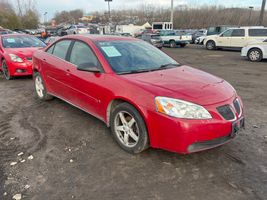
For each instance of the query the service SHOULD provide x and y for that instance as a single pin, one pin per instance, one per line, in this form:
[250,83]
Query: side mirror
[88,68]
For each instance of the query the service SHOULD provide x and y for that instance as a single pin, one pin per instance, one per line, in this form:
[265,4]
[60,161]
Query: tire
[40,88]
[210,45]
[182,45]
[172,44]
[129,129]
[5,71]
[255,55]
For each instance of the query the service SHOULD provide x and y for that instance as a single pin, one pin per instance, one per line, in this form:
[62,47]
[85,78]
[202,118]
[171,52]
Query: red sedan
[16,54]
[143,95]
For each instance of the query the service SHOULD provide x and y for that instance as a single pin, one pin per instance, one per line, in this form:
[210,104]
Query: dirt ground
[74,156]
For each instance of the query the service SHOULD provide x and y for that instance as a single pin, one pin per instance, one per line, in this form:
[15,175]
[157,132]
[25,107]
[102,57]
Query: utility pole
[109,14]
[262,12]
[172,11]
[249,19]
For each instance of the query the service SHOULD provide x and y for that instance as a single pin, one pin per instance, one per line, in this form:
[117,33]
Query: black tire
[172,44]
[255,55]
[182,45]
[5,71]
[210,45]
[139,124]
[45,96]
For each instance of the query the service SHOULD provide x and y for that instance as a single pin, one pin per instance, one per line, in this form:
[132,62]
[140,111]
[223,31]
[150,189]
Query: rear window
[257,32]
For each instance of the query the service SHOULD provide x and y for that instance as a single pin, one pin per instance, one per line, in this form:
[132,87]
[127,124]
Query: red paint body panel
[93,92]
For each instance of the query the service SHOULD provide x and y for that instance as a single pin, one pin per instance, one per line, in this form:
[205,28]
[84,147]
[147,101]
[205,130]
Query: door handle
[67,72]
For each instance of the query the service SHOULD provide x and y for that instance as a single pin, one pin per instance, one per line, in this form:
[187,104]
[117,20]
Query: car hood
[23,52]
[184,83]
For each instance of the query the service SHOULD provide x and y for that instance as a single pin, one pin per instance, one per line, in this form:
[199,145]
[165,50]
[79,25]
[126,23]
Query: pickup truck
[174,39]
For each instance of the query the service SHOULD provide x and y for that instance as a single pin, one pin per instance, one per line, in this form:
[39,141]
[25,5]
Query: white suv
[235,37]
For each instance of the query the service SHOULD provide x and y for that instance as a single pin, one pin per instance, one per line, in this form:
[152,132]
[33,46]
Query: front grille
[237,106]
[226,112]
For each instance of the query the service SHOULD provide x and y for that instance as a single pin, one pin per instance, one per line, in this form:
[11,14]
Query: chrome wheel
[254,55]
[39,86]
[126,129]
[172,44]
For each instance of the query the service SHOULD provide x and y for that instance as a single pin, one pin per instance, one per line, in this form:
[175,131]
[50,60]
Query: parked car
[216,30]
[16,54]
[198,34]
[5,31]
[255,52]
[172,39]
[235,38]
[76,29]
[50,40]
[153,39]
[144,96]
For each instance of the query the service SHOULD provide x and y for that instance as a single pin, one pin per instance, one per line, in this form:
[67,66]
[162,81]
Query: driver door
[86,91]
[224,40]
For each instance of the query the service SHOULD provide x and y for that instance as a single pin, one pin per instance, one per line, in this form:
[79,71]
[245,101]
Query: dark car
[153,39]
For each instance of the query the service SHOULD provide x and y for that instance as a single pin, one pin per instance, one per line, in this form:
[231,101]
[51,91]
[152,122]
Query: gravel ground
[74,156]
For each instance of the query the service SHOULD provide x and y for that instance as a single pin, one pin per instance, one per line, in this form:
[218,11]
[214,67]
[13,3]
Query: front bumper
[187,136]
[20,69]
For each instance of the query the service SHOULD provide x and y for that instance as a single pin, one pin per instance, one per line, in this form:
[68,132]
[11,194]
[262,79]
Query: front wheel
[255,55]
[6,71]
[211,45]
[40,88]
[129,129]
[182,45]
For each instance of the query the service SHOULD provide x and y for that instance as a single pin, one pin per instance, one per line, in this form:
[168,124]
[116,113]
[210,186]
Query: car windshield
[21,42]
[127,57]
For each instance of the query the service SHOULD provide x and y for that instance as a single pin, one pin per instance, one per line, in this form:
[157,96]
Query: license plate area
[237,126]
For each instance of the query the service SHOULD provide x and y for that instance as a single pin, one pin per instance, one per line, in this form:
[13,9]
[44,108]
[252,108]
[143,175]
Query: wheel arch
[119,100]
[258,48]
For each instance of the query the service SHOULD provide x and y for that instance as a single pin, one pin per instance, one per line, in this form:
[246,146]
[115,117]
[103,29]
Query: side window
[82,55]
[227,33]
[257,32]
[61,49]
[238,33]
[50,50]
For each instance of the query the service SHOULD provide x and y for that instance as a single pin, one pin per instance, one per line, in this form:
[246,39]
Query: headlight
[181,109]
[15,58]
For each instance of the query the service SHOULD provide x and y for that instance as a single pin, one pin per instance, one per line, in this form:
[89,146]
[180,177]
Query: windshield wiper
[134,71]
[169,65]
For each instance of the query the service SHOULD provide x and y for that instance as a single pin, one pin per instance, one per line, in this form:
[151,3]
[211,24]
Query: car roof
[15,34]
[97,38]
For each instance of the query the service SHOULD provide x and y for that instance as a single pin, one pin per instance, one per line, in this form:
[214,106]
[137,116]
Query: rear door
[224,40]
[238,38]
[55,67]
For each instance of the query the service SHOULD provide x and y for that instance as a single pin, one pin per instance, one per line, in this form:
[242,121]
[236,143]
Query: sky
[52,6]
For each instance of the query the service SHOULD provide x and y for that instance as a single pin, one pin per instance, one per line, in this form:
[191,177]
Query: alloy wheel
[126,129]
[39,86]
[254,55]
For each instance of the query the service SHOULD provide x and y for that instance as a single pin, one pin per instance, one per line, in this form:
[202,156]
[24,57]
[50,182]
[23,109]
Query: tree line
[24,16]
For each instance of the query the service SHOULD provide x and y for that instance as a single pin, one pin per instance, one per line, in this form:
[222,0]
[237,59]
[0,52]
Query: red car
[143,95]
[16,52]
